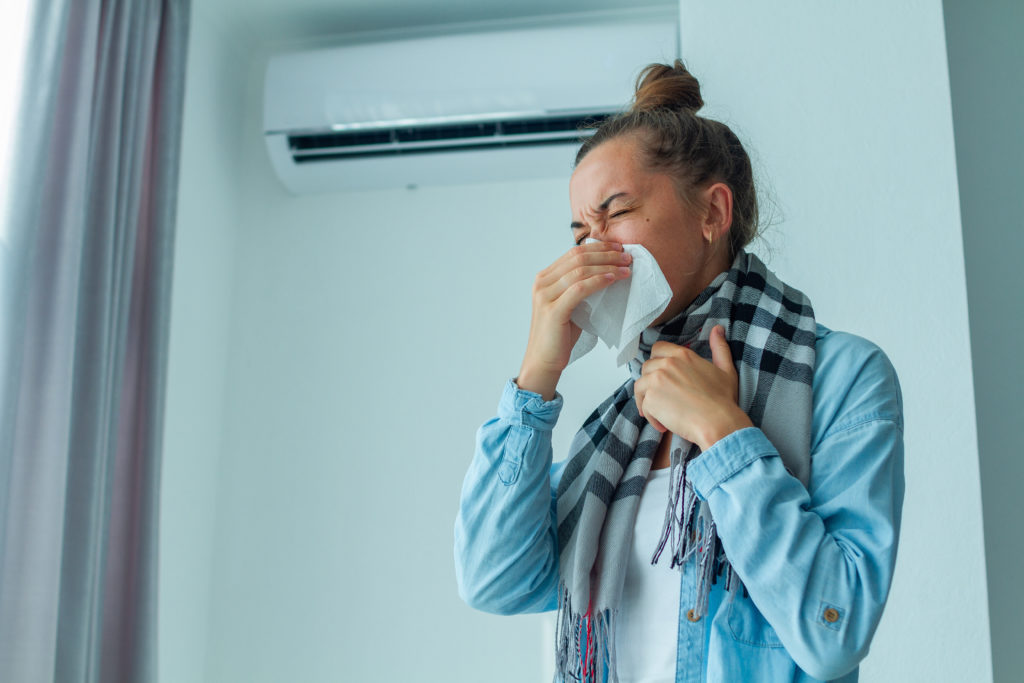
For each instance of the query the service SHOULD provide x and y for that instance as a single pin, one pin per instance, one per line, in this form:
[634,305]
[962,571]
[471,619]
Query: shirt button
[692,616]
[831,615]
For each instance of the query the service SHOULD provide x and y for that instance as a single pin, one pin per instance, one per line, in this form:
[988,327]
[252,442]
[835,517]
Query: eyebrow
[603,207]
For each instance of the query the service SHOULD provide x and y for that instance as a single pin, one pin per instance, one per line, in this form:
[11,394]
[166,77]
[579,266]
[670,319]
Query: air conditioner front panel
[526,70]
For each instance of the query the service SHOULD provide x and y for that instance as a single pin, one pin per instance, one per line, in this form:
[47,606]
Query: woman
[762,449]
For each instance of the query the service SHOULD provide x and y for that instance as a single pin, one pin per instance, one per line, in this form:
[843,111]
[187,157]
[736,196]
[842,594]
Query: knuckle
[540,294]
[578,287]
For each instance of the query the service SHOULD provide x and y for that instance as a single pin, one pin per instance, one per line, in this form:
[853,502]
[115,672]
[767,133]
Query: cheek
[677,257]
[634,231]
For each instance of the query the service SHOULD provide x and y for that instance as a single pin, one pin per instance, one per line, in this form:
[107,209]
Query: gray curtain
[85,287]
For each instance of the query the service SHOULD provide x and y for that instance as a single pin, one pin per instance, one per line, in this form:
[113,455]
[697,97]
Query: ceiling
[261,23]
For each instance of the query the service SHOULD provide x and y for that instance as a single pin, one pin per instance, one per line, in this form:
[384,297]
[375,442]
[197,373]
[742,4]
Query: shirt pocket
[748,626]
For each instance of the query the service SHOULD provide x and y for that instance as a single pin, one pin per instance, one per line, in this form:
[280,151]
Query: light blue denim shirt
[817,562]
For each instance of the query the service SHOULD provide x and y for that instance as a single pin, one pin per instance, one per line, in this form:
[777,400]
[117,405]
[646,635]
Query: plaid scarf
[770,328]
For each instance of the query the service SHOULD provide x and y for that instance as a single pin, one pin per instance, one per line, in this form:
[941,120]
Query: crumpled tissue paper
[620,312]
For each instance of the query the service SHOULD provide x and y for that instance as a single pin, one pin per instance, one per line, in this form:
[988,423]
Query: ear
[718,218]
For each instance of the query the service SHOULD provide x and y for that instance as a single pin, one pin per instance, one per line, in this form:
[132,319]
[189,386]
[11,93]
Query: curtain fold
[85,325]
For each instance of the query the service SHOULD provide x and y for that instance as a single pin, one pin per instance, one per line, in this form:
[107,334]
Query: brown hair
[693,150]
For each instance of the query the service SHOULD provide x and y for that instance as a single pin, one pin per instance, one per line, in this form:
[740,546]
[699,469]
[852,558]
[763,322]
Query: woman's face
[615,199]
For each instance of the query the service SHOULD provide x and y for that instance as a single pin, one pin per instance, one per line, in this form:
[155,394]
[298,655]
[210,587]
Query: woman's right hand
[557,291]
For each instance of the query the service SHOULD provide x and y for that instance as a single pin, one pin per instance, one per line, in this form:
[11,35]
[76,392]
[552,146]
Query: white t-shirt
[648,620]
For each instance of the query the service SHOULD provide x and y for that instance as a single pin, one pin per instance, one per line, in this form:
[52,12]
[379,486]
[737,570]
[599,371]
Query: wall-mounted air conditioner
[485,105]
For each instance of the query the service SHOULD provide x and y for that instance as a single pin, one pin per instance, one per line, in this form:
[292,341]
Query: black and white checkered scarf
[771,330]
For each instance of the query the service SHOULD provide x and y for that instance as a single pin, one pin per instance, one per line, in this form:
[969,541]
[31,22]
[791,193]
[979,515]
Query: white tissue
[620,312]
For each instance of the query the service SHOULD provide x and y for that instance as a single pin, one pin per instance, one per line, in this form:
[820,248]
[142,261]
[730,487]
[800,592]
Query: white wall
[369,334]
[850,116]
[986,54]
[207,226]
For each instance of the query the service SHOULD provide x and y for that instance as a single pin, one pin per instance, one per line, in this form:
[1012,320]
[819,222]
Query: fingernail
[624,270]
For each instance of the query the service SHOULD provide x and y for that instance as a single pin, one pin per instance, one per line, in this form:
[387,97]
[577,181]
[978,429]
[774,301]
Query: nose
[598,230]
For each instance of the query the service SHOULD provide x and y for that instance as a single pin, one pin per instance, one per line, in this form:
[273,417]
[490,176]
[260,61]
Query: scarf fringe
[690,531]
[584,643]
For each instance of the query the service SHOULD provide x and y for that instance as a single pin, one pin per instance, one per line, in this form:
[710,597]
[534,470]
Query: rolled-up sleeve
[817,561]
[506,555]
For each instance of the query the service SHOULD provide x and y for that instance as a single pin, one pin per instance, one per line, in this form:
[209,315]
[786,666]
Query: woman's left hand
[679,391]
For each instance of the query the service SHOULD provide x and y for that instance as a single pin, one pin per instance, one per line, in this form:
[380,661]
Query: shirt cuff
[528,408]
[727,457]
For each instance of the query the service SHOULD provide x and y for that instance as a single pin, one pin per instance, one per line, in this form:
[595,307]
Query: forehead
[609,168]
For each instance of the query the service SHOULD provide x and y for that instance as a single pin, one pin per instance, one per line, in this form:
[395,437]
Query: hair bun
[660,86]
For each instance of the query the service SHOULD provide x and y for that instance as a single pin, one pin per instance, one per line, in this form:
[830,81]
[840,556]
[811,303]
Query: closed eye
[580,239]
[619,213]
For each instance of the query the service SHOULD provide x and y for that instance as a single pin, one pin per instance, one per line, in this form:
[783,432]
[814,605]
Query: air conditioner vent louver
[433,138]
[473,130]
[301,143]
